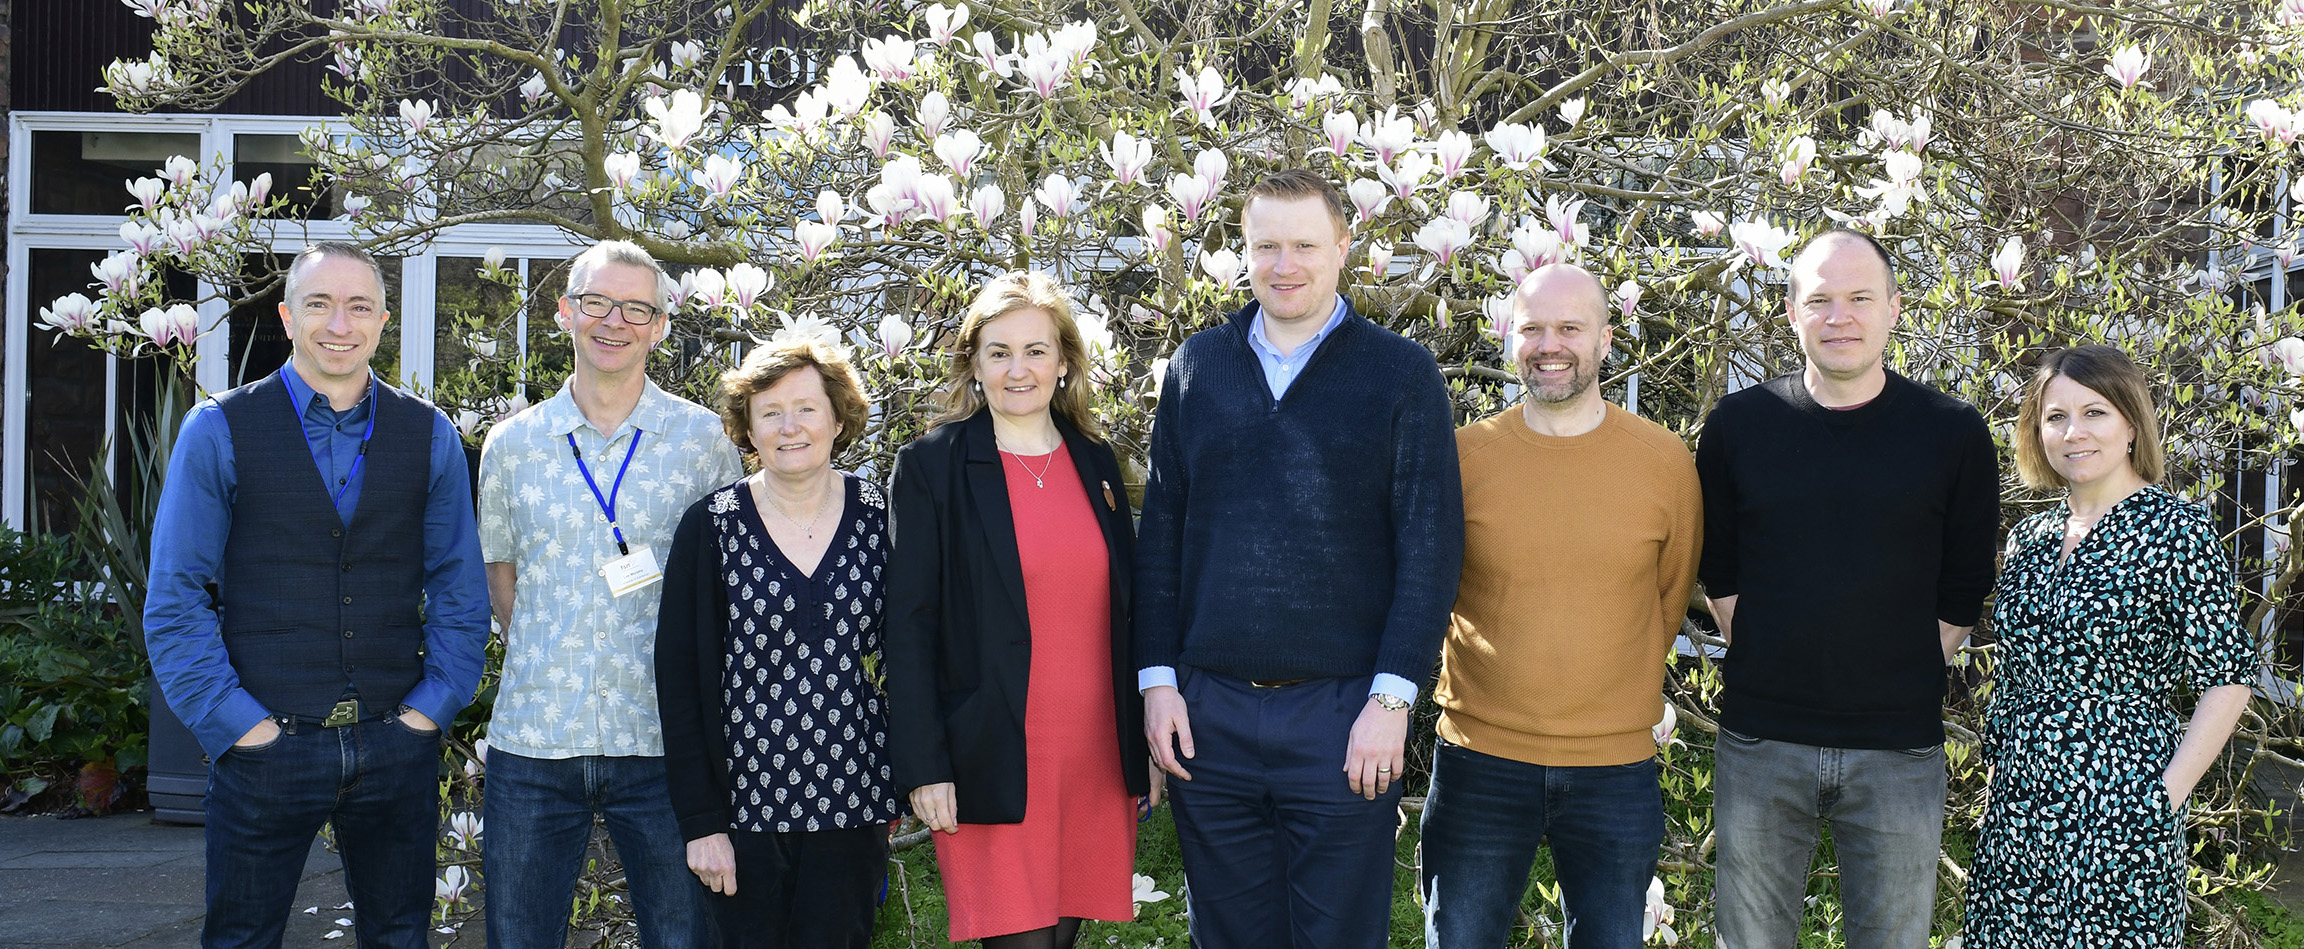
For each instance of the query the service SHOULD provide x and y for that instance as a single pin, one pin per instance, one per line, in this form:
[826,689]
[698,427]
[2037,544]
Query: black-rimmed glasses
[598,306]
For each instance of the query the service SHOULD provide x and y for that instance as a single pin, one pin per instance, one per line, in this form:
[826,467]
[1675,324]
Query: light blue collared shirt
[1280,372]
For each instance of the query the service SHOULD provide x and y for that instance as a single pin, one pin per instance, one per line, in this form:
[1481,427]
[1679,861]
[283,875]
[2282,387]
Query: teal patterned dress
[2081,846]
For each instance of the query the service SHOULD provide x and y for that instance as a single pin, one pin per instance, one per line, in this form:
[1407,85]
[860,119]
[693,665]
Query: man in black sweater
[1849,525]
[1302,534]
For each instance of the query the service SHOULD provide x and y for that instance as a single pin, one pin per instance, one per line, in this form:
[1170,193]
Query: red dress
[1075,852]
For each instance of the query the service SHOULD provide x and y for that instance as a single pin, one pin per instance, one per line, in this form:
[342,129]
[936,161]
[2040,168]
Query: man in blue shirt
[1302,534]
[317,612]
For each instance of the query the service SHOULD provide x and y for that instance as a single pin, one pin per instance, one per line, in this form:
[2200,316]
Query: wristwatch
[1390,703]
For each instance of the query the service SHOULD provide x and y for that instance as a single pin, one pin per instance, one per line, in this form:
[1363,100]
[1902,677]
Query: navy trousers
[1277,849]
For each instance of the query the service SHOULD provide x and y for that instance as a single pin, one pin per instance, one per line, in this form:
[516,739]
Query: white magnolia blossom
[176,325]
[894,334]
[1519,147]
[1127,156]
[1762,243]
[1572,111]
[1452,150]
[1304,93]
[1406,175]
[1369,198]
[71,314]
[1656,916]
[1888,131]
[807,328]
[746,284]
[1155,221]
[621,167]
[891,58]
[846,88]
[934,114]
[1533,246]
[1191,194]
[147,191]
[986,203]
[140,236]
[1443,237]
[417,114]
[1389,135]
[1498,310]
[1899,190]
[453,881]
[677,121]
[1799,153]
[2276,122]
[1338,129]
[878,132]
[944,22]
[686,54]
[1059,194]
[719,176]
[1469,207]
[532,90]
[814,238]
[1221,265]
[1202,94]
[1775,92]
[959,149]
[1627,297]
[2008,263]
[464,829]
[118,272]
[936,197]
[1707,223]
[2128,65]
[180,171]
[987,55]
[1212,164]
[1379,258]
[1564,215]
[707,287]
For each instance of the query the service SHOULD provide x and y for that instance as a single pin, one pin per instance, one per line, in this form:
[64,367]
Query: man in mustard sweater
[1582,525]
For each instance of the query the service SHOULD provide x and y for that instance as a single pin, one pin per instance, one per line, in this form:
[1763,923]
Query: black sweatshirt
[1845,535]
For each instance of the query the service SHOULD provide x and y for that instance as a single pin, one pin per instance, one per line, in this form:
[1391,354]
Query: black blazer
[959,641]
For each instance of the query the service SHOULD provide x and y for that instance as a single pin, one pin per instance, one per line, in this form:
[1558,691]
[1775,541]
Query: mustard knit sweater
[1579,554]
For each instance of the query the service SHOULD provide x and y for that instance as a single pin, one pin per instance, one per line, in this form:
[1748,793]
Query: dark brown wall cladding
[62,47]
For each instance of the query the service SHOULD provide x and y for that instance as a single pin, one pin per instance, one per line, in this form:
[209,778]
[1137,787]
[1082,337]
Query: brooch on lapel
[1110,504]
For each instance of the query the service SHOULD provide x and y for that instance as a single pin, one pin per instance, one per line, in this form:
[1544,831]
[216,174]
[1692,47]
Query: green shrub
[73,718]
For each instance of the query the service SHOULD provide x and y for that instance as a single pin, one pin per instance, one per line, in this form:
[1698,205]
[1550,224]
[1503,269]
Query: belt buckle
[1273,683]
[345,713]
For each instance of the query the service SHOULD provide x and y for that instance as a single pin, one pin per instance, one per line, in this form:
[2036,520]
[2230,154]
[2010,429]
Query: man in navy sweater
[1849,525]
[1302,533]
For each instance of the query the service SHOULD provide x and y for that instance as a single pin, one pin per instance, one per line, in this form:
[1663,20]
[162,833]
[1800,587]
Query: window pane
[295,176]
[550,359]
[64,410]
[88,172]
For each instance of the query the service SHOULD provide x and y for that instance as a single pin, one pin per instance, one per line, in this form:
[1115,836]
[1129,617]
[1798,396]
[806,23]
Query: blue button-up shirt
[195,518]
[1280,372]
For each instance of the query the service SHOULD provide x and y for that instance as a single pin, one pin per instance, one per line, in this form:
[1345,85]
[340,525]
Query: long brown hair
[1000,296]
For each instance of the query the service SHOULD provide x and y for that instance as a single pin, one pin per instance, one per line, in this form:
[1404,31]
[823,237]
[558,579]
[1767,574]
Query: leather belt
[347,712]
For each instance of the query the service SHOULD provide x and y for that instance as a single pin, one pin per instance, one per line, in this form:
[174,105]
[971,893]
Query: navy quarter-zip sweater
[1317,535]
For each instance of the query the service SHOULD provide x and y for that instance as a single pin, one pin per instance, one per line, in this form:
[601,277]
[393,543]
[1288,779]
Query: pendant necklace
[808,528]
[1039,478]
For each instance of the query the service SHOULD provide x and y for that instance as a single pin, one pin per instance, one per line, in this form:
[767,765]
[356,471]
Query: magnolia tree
[2043,174]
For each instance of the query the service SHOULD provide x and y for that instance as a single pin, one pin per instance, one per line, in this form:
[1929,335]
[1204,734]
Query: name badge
[632,571]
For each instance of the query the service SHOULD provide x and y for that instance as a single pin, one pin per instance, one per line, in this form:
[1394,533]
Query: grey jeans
[1887,815]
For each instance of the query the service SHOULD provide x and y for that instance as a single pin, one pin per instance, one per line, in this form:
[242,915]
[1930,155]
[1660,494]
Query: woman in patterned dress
[1014,717]
[774,734]
[2109,604]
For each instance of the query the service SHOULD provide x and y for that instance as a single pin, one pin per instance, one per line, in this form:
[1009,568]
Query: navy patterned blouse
[807,731]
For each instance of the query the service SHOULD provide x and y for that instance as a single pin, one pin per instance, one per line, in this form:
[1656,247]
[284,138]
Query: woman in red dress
[1014,720]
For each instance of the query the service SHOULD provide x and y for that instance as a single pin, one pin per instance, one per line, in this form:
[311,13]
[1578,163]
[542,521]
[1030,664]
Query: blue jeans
[1277,849]
[538,814]
[377,781]
[1887,812]
[1486,815]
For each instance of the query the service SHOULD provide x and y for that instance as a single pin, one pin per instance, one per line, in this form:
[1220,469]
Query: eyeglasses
[598,306]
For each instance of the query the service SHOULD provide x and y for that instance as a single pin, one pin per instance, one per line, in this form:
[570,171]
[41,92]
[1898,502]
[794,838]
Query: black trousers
[810,890]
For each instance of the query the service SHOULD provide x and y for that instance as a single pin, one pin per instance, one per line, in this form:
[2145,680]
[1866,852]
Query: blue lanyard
[608,504]
[336,498]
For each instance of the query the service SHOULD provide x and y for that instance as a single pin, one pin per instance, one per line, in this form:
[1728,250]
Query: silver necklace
[808,528]
[1039,478]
